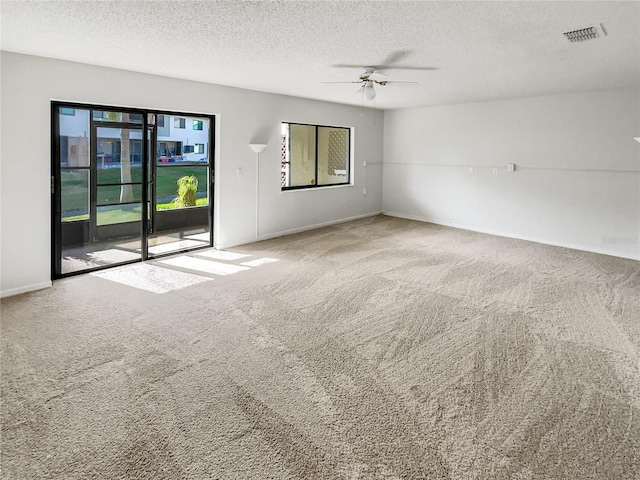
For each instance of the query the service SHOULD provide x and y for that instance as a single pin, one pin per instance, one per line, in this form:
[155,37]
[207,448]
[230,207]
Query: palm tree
[126,189]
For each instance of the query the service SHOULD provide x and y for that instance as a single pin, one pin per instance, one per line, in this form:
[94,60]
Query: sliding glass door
[127,185]
[181,180]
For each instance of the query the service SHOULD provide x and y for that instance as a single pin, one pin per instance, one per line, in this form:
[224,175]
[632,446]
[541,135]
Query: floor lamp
[257,148]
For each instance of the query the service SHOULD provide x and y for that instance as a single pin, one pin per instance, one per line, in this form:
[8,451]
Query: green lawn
[75,185]
[200,202]
[127,213]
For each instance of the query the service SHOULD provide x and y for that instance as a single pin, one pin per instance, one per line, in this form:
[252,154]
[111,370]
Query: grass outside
[75,187]
[127,213]
[200,202]
[121,215]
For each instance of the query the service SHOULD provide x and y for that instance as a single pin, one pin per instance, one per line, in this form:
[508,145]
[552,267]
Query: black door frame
[149,169]
[94,125]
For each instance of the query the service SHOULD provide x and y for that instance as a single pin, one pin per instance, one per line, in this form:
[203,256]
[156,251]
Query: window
[169,151]
[315,156]
[67,111]
[108,116]
[198,148]
[179,122]
[160,120]
[197,124]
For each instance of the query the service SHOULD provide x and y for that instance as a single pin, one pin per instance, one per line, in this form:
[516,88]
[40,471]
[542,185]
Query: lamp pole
[257,148]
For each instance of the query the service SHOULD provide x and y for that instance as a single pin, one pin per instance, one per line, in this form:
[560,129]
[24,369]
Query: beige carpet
[377,349]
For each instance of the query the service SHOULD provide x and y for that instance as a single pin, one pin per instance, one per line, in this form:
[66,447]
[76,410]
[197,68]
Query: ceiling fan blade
[340,82]
[405,67]
[394,81]
[396,56]
[360,89]
[341,65]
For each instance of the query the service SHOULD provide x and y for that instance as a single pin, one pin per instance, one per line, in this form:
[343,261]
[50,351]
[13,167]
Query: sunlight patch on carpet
[201,265]
[151,278]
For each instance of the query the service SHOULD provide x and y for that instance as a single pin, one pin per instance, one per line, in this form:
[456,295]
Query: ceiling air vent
[583,34]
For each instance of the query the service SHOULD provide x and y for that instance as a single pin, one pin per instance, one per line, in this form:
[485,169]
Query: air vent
[583,34]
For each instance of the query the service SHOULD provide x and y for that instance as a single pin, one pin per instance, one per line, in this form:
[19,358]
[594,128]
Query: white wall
[576,182]
[30,83]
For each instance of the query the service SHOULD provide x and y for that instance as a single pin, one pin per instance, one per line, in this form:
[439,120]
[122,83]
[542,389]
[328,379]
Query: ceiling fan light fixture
[369,91]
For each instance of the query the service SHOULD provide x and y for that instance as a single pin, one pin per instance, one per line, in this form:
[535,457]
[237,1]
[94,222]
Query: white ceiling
[481,50]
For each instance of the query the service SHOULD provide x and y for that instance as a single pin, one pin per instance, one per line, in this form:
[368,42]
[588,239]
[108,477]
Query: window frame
[179,122]
[347,183]
[197,125]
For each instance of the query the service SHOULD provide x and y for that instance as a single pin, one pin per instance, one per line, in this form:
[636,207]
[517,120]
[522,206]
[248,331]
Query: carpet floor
[376,349]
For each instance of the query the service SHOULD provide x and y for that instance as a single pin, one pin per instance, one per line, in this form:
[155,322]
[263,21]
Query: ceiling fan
[374,74]
[367,81]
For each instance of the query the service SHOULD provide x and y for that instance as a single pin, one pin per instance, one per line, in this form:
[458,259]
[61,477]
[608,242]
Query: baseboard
[25,289]
[574,246]
[294,230]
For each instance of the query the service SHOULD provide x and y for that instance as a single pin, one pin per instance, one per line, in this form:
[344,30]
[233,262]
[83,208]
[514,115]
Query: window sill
[307,189]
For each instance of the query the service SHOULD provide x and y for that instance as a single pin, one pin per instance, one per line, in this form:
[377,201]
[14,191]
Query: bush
[187,188]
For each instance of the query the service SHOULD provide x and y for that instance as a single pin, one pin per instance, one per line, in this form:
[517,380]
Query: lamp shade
[257,147]
[369,92]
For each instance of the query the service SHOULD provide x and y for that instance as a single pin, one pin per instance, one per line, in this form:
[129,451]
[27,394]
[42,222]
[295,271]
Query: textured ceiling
[480,50]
